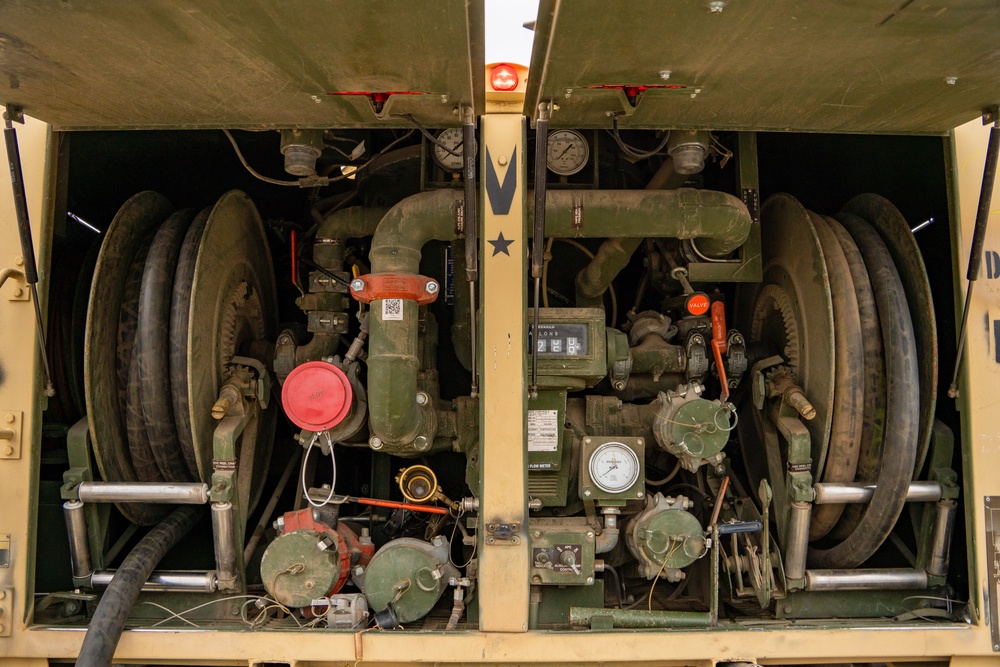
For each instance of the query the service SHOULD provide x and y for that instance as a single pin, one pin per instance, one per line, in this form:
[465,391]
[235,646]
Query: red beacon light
[504,78]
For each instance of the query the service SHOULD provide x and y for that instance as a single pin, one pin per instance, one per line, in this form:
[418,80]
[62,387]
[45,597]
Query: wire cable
[333,469]
[631,151]
[430,137]
[266,179]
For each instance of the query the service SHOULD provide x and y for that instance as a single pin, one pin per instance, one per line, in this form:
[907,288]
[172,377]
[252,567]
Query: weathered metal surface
[233,306]
[877,66]
[210,64]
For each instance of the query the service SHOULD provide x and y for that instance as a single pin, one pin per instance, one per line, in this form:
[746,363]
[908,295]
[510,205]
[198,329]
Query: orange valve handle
[428,509]
[719,326]
[368,288]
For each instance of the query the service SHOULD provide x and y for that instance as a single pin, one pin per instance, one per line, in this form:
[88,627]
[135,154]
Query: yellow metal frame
[503,573]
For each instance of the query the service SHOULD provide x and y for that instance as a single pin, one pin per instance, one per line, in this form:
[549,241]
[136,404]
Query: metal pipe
[608,539]
[944,526]
[719,222]
[165,581]
[79,545]
[166,493]
[798,540]
[640,618]
[865,580]
[854,492]
[393,362]
[225,545]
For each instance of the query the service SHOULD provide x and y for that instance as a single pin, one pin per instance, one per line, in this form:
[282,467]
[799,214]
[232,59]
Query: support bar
[852,492]
[225,546]
[640,618]
[79,547]
[164,581]
[944,526]
[865,580]
[166,493]
[798,540]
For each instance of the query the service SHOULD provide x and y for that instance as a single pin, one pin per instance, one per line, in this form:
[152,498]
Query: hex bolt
[423,398]
[665,74]
[8,451]
[431,287]
[9,418]
[951,80]
[502,160]
[421,443]
[18,292]
[716,6]
[375,442]
[357,284]
[587,493]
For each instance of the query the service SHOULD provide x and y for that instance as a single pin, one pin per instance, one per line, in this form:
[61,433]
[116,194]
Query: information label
[543,430]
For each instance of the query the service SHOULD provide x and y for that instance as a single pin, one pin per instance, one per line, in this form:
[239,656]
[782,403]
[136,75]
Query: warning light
[504,78]
[697,304]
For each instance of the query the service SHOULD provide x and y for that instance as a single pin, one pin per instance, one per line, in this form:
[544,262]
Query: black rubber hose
[152,346]
[180,315]
[902,394]
[105,628]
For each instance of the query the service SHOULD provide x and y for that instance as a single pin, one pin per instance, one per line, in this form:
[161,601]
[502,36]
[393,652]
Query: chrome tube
[165,581]
[225,546]
[798,540]
[79,544]
[944,525]
[865,580]
[167,493]
[851,492]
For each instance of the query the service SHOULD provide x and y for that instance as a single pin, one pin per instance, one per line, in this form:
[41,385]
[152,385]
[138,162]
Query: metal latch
[10,434]
[502,533]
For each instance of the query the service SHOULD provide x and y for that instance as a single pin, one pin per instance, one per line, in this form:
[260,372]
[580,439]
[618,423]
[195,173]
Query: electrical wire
[649,603]
[430,137]
[661,482]
[326,272]
[631,151]
[179,615]
[333,469]
[266,179]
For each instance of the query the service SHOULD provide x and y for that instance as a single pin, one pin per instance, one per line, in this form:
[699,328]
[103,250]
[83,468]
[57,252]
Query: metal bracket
[991,114]
[14,114]
[504,534]
[10,435]
[20,291]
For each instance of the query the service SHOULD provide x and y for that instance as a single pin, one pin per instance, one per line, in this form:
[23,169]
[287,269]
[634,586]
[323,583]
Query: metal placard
[992,513]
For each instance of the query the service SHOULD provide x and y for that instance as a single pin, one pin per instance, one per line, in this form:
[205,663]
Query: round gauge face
[452,138]
[614,467]
[567,152]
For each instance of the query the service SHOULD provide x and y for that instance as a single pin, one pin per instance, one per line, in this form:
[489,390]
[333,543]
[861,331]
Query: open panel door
[852,66]
[254,64]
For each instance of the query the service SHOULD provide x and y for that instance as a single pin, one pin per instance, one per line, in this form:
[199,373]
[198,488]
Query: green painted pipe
[393,352]
[719,222]
[640,618]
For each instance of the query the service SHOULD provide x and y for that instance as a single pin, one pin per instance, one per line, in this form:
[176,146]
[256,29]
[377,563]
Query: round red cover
[316,396]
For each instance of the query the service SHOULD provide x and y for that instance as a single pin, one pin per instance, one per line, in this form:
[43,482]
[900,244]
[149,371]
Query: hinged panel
[211,63]
[879,66]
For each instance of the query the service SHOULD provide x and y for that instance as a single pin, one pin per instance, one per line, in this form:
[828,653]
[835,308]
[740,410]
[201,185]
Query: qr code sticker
[392,309]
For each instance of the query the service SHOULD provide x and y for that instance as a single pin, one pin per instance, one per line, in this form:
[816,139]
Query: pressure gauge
[614,467]
[567,152]
[452,138]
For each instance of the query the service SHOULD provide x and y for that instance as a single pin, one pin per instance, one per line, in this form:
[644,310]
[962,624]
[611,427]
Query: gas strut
[538,240]
[24,230]
[978,235]
[470,208]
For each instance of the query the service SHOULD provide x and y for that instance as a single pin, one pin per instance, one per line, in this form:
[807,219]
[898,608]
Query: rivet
[951,80]
[19,260]
[8,451]
[716,6]
[665,74]
[18,292]
[9,418]
[586,493]
[502,160]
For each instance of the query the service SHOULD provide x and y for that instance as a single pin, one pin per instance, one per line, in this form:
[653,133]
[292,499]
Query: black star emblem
[500,245]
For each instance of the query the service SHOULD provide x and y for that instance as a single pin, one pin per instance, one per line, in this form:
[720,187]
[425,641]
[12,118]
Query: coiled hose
[106,626]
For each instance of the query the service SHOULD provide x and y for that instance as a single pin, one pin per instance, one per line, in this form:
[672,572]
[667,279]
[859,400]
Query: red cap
[316,396]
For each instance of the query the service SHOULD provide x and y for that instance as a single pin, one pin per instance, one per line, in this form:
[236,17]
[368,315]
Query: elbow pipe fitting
[396,417]
[718,221]
[608,539]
